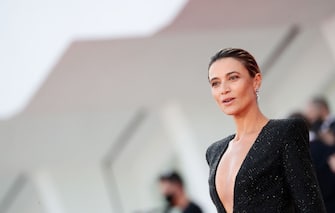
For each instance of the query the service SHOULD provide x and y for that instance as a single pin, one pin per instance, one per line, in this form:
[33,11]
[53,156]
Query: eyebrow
[232,72]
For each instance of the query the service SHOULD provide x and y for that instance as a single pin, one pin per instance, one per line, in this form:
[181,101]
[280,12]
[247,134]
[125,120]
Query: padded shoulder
[215,149]
[290,125]
[292,130]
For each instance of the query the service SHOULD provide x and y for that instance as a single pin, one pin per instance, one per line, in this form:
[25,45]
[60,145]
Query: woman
[265,166]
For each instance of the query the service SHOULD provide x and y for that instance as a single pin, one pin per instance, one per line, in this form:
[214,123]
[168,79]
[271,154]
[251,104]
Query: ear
[257,81]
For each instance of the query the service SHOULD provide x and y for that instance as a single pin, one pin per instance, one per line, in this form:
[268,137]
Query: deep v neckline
[252,147]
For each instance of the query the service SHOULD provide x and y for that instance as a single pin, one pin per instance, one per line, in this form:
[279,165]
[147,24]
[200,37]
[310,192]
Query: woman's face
[232,87]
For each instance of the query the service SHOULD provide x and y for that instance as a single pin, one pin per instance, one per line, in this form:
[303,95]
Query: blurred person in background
[265,166]
[172,188]
[323,157]
[319,116]
[331,138]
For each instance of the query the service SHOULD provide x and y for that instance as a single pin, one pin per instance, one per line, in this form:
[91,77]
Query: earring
[257,94]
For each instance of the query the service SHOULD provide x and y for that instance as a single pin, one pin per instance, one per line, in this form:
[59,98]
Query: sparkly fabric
[276,175]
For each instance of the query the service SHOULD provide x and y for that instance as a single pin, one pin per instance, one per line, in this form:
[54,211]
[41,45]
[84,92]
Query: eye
[215,84]
[233,77]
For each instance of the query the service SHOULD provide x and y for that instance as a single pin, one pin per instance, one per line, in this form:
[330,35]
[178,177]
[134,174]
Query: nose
[225,89]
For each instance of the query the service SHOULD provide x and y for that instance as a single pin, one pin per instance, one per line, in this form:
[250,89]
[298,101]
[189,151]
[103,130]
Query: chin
[229,112]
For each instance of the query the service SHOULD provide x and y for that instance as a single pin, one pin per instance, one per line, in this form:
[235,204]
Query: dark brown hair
[320,102]
[241,55]
[172,177]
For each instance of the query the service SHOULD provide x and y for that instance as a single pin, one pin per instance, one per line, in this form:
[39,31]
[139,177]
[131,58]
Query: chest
[228,168]
[253,171]
[230,163]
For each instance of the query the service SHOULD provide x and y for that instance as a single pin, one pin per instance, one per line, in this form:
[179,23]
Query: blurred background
[100,97]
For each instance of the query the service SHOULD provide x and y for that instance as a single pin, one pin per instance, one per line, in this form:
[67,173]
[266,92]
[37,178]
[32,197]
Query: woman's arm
[299,173]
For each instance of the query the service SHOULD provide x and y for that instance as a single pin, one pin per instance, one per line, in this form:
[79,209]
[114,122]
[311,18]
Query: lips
[227,100]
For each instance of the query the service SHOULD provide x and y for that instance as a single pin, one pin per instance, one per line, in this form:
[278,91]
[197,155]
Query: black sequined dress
[276,176]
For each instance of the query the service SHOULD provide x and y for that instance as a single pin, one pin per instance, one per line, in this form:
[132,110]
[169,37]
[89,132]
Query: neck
[249,122]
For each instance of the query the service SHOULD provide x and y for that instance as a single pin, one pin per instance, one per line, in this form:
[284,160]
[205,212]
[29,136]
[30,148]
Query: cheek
[216,95]
[247,88]
[246,91]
